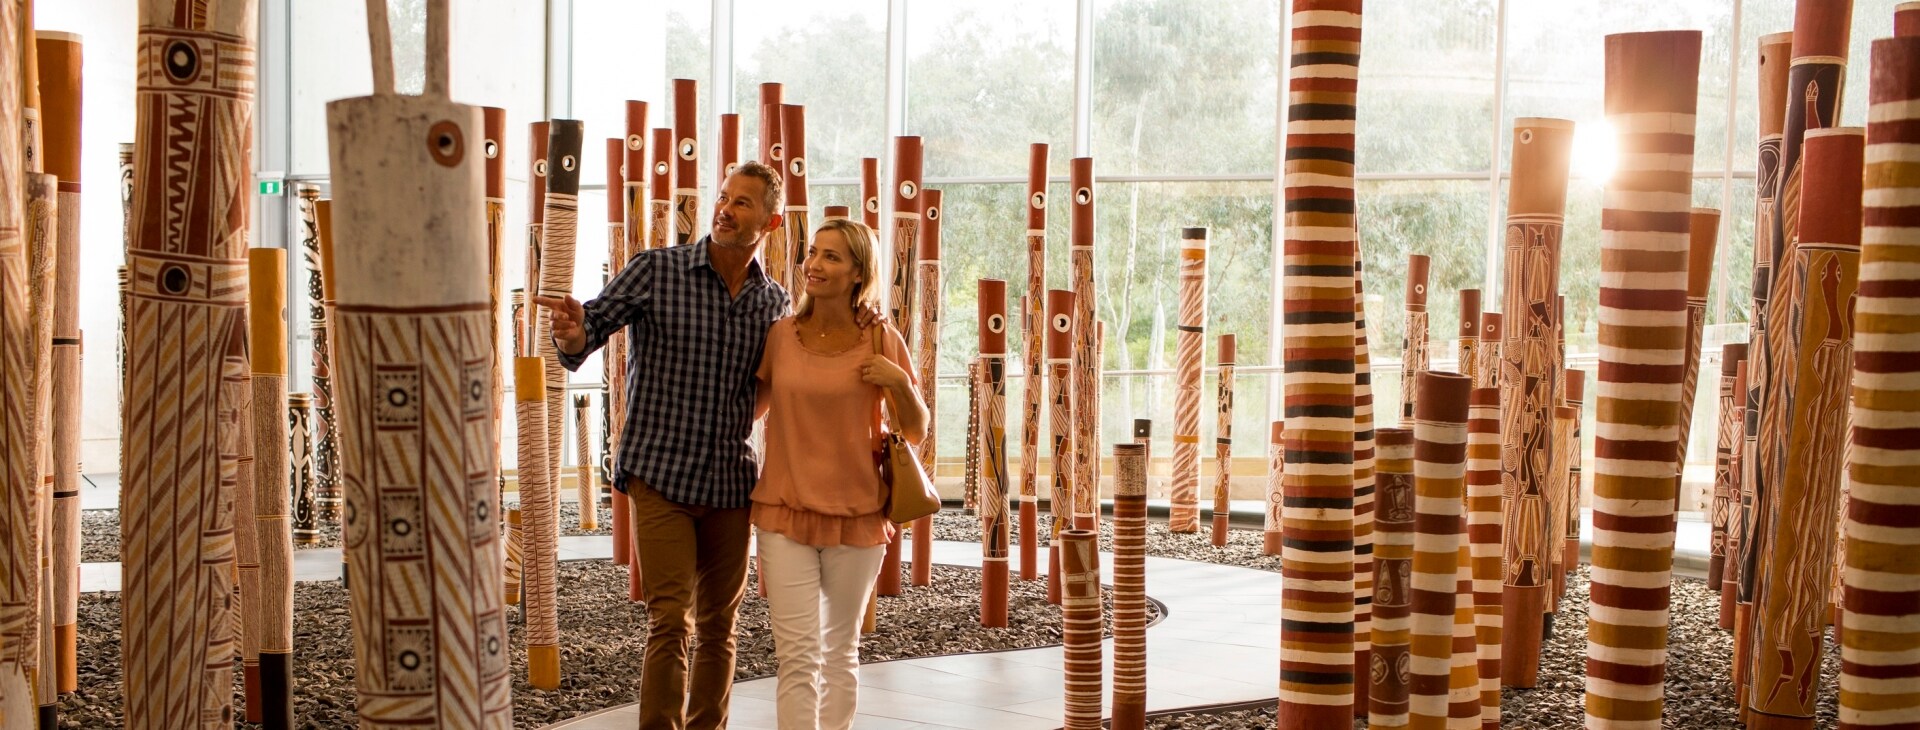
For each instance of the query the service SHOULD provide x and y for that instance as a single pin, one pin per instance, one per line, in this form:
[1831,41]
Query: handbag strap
[879,403]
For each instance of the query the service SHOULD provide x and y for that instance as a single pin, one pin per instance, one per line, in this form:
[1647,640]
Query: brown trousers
[693,566]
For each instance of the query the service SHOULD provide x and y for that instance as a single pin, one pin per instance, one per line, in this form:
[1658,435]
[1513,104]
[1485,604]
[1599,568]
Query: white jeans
[816,598]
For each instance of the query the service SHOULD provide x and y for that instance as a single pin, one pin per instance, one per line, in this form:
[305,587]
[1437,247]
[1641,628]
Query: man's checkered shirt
[693,349]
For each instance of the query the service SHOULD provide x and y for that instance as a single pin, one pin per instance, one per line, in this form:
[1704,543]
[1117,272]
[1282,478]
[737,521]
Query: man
[696,318]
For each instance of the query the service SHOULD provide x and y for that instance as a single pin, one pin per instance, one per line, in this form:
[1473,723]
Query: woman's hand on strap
[884,372]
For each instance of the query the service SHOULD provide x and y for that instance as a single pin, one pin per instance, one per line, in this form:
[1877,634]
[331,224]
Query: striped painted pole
[1703,232]
[660,190]
[1060,343]
[269,605]
[1576,398]
[537,522]
[1774,53]
[559,241]
[1183,513]
[970,481]
[1725,479]
[1317,617]
[320,373]
[1736,527]
[513,552]
[1651,93]
[1414,358]
[926,354]
[60,59]
[1469,337]
[1822,274]
[797,225]
[1483,538]
[613,393]
[1129,586]
[1034,308]
[1879,667]
[1363,492]
[586,488]
[1086,360]
[1390,670]
[1276,469]
[1536,213]
[686,165]
[1223,445]
[1081,626]
[993,451]
[1441,693]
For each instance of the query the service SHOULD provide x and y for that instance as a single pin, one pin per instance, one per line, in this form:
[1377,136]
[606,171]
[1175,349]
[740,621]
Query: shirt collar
[701,256]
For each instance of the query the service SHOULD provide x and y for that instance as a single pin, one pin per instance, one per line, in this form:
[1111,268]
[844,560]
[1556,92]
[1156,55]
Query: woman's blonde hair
[866,266]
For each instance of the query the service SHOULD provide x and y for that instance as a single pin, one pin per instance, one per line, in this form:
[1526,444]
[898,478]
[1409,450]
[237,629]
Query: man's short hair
[767,176]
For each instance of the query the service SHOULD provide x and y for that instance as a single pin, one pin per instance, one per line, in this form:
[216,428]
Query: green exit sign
[272,187]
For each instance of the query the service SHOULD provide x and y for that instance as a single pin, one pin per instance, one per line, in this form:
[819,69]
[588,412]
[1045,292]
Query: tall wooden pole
[870,192]
[1736,525]
[1652,91]
[1081,626]
[1129,586]
[614,393]
[798,224]
[636,170]
[1391,670]
[1223,445]
[1820,286]
[1086,365]
[1034,309]
[1189,358]
[927,362]
[1060,341]
[906,227]
[1492,332]
[1535,215]
[686,165]
[186,342]
[1703,234]
[541,613]
[660,190]
[324,502]
[993,431]
[60,60]
[300,465]
[414,367]
[1468,340]
[1725,479]
[269,598]
[1483,538]
[584,484]
[1443,693]
[1363,492]
[1574,455]
[559,239]
[1316,653]
[1272,535]
[1882,580]
[1414,357]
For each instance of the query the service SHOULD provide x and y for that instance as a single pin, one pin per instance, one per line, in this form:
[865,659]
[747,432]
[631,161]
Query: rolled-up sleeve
[622,302]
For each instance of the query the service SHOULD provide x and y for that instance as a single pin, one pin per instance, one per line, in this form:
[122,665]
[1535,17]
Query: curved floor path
[1218,643]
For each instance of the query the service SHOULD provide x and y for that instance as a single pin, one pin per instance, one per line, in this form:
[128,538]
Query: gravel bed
[100,532]
[599,672]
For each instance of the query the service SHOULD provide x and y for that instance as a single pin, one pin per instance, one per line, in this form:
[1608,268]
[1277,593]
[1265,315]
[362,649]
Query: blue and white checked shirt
[693,349]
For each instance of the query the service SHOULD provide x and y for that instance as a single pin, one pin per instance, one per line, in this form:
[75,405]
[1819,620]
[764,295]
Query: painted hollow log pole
[1736,527]
[36,632]
[1440,695]
[1414,358]
[1652,90]
[493,151]
[613,394]
[927,362]
[269,598]
[1271,533]
[1391,664]
[1189,359]
[870,192]
[1576,398]
[1775,53]
[836,213]
[1725,479]
[60,85]
[19,455]
[1317,643]
[414,363]
[906,227]
[1129,586]
[970,481]
[1468,339]
[1483,538]
[1906,19]
[635,172]
[513,565]
[1878,669]
[1086,363]
[559,238]
[781,256]
[771,97]
[1363,492]
[1081,627]
[329,494]
[686,162]
[1821,278]
[1034,307]
[660,190]
[1492,331]
[300,466]
[993,463]
[536,516]
[1536,210]
[1559,495]
[186,335]
[1060,342]
[1703,233]
[539,137]
[1223,445]
[798,223]
[324,434]
[729,144]
[584,486]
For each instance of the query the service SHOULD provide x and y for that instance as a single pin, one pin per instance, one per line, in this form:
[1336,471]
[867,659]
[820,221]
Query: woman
[818,507]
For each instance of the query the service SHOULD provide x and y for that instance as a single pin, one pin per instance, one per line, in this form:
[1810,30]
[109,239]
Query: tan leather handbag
[908,493]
